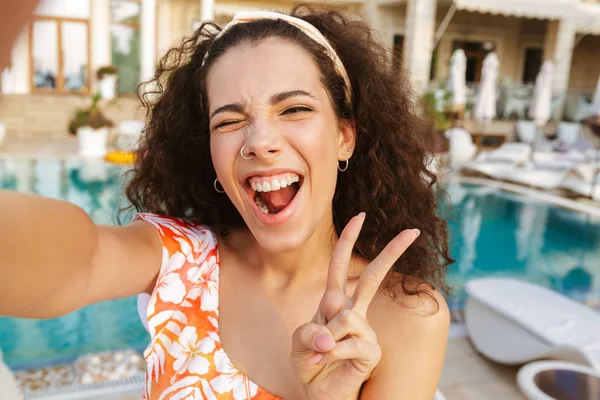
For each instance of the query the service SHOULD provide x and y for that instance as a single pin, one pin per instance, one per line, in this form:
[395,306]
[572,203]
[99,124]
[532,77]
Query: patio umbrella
[457,82]
[485,104]
[541,103]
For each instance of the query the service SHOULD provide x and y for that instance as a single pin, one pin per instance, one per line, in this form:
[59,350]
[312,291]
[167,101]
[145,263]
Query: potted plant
[432,107]
[107,81]
[91,127]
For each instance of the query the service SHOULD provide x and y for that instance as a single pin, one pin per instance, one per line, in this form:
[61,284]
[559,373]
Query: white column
[100,35]
[418,42]
[207,10]
[20,64]
[558,47]
[373,14]
[148,39]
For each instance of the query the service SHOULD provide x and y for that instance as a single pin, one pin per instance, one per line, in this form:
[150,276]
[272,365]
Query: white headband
[308,29]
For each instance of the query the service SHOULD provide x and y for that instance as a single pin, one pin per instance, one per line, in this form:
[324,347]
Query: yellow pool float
[120,157]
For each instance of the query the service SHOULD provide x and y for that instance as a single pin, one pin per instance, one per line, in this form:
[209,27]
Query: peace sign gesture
[337,351]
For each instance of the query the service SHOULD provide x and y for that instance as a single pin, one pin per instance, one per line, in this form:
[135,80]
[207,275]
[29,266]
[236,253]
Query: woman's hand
[337,351]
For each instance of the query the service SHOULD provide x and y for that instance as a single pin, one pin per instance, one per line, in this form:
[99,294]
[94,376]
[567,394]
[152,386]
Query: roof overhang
[539,9]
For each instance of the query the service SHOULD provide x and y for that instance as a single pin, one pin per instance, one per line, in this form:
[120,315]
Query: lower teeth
[261,206]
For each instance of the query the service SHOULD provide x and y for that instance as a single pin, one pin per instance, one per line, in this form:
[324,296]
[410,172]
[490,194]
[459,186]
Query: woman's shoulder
[180,234]
[413,310]
[174,226]
[412,331]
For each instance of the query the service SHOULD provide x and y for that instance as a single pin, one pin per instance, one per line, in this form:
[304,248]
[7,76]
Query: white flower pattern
[231,379]
[185,358]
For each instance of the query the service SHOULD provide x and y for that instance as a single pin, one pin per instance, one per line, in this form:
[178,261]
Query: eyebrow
[282,96]
[275,99]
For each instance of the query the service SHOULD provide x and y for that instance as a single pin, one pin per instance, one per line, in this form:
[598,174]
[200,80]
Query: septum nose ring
[242,153]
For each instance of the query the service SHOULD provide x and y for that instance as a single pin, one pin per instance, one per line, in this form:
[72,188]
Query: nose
[262,141]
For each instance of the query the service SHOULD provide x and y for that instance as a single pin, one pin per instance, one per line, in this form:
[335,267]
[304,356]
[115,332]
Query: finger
[308,343]
[365,353]
[373,275]
[340,258]
[310,338]
[351,323]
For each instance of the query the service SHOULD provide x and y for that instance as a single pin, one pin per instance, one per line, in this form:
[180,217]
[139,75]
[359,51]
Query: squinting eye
[294,110]
[226,123]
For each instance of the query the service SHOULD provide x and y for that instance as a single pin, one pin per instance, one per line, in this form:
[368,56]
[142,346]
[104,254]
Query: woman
[270,147]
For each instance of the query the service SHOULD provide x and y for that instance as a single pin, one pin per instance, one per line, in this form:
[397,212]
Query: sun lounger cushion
[543,312]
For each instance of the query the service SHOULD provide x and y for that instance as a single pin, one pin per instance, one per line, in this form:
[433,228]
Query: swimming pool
[493,232]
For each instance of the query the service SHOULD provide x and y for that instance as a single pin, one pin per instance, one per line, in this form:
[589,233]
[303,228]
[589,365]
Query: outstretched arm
[54,259]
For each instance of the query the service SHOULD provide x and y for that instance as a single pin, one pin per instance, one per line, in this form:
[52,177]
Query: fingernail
[362,215]
[416,232]
[324,342]
[316,358]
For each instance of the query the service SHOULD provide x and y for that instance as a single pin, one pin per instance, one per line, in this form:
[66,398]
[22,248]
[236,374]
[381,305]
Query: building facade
[68,40]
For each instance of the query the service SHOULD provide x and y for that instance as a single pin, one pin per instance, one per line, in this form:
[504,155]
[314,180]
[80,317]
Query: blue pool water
[493,233]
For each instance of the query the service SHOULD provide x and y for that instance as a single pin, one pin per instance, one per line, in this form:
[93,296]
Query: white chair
[514,322]
[568,132]
[518,100]
[527,132]
[462,148]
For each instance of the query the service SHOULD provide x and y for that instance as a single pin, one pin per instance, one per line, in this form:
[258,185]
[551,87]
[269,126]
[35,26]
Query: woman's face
[269,99]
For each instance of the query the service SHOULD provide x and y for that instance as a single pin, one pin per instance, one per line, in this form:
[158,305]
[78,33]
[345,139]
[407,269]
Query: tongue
[278,199]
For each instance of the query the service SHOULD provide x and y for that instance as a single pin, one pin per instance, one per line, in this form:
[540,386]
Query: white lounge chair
[514,322]
[9,390]
[500,163]
[551,380]
[462,148]
[538,176]
[508,152]
[578,184]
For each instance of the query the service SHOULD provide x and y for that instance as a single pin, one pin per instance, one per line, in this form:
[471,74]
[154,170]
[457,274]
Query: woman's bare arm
[54,259]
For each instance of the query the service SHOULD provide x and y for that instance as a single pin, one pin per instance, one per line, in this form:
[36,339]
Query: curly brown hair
[388,176]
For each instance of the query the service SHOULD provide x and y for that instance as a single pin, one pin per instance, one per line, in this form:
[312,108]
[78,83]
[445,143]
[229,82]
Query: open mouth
[274,193]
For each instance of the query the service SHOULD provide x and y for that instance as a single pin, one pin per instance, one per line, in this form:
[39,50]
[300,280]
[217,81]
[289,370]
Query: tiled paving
[468,376]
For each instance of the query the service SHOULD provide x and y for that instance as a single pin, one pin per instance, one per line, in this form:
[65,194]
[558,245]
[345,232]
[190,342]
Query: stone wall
[47,116]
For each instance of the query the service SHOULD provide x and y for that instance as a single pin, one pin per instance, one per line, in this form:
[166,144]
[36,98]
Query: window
[59,46]
[125,42]
[533,64]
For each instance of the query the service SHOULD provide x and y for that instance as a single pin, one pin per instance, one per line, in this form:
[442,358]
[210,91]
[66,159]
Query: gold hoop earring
[216,188]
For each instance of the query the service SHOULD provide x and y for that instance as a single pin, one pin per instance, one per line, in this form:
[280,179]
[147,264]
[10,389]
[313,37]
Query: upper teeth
[270,184]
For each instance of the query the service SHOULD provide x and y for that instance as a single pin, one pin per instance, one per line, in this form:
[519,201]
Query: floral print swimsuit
[185,357]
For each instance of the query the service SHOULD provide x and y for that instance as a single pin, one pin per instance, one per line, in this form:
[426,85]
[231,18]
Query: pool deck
[469,376]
